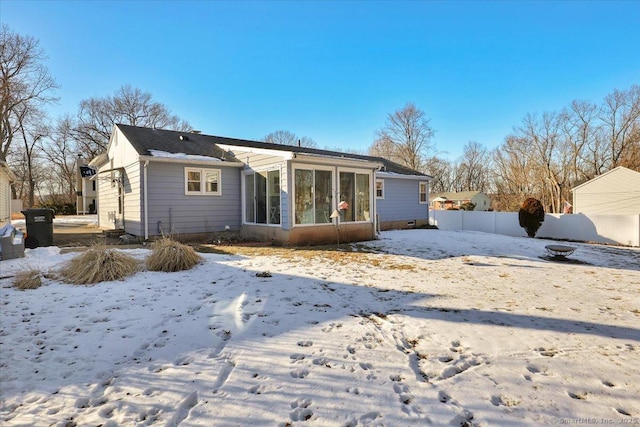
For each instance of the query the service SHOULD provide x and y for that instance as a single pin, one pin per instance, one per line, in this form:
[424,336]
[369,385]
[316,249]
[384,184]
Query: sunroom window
[313,196]
[355,192]
[262,197]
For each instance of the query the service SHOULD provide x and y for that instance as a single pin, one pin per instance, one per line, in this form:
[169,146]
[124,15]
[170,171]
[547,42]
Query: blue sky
[333,70]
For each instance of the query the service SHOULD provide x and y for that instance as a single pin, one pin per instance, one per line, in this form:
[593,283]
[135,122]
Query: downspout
[146,203]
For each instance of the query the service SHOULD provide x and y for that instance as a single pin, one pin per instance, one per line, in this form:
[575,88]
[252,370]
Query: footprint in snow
[300,373]
[300,410]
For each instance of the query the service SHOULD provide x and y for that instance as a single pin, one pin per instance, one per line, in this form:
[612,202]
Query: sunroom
[303,199]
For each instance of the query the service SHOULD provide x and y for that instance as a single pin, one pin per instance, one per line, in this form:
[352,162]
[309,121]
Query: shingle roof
[455,196]
[146,139]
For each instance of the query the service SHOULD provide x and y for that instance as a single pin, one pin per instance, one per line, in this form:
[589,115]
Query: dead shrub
[30,279]
[168,255]
[97,264]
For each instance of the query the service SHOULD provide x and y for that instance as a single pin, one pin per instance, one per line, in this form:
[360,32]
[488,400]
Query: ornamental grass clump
[97,264]
[30,279]
[168,255]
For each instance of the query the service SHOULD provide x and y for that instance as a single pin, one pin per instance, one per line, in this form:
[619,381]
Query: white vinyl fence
[610,229]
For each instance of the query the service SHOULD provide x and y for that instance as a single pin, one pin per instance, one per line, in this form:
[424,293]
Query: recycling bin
[39,227]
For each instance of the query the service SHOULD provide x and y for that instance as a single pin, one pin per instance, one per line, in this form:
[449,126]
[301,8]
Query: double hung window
[423,193]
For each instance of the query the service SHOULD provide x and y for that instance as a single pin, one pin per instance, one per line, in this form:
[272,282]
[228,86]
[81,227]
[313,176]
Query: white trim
[391,175]
[292,181]
[336,161]
[202,191]
[372,193]
[426,193]
[247,172]
[287,155]
[213,162]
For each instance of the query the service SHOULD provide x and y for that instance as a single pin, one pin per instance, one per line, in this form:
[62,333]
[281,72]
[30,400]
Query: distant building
[616,192]
[455,200]
[6,179]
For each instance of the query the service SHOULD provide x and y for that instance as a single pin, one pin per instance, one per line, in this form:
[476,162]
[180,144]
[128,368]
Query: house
[616,192]
[86,188]
[6,179]
[152,182]
[455,200]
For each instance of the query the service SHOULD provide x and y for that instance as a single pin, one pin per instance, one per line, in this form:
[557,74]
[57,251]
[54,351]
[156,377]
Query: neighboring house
[6,179]
[152,182]
[86,188]
[616,192]
[455,200]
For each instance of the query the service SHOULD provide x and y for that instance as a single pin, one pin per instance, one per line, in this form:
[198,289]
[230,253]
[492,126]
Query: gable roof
[147,141]
[620,169]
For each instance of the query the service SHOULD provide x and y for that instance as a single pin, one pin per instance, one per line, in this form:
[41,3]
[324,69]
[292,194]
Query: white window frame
[426,192]
[381,181]
[372,191]
[244,192]
[313,169]
[203,187]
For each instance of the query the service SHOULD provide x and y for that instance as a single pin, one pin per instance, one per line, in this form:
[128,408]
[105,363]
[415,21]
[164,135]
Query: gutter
[146,202]
[185,160]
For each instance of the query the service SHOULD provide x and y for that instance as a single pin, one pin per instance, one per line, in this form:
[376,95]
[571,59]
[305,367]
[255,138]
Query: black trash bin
[39,227]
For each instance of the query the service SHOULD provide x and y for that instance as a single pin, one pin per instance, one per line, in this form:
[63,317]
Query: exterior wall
[5,198]
[617,191]
[173,212]
[259,162]
[121,155]
[330,234]
[401,225]
[132,199]
[609,229]
[123,214]
[482,202]
[401,203]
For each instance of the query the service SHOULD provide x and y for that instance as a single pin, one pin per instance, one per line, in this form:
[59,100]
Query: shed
[616,192]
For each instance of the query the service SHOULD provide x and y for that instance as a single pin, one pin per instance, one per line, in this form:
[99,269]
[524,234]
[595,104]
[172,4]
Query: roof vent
[197,132]
[183,138]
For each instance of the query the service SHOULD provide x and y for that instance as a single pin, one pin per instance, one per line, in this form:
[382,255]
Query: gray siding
[132,199]
[401,201]
[171,211]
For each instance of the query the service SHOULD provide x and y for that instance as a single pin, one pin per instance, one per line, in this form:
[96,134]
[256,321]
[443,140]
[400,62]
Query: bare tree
[514,173]
[473,168]
[284,137]
[61,153]
[32,129]
[442,171]
[620,116]
[406,138]
[26,84]
[129,106]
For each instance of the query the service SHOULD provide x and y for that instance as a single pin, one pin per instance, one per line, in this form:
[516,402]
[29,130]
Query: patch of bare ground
[345,255]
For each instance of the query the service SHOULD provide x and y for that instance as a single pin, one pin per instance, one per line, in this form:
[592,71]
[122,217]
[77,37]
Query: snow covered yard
[420,327]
